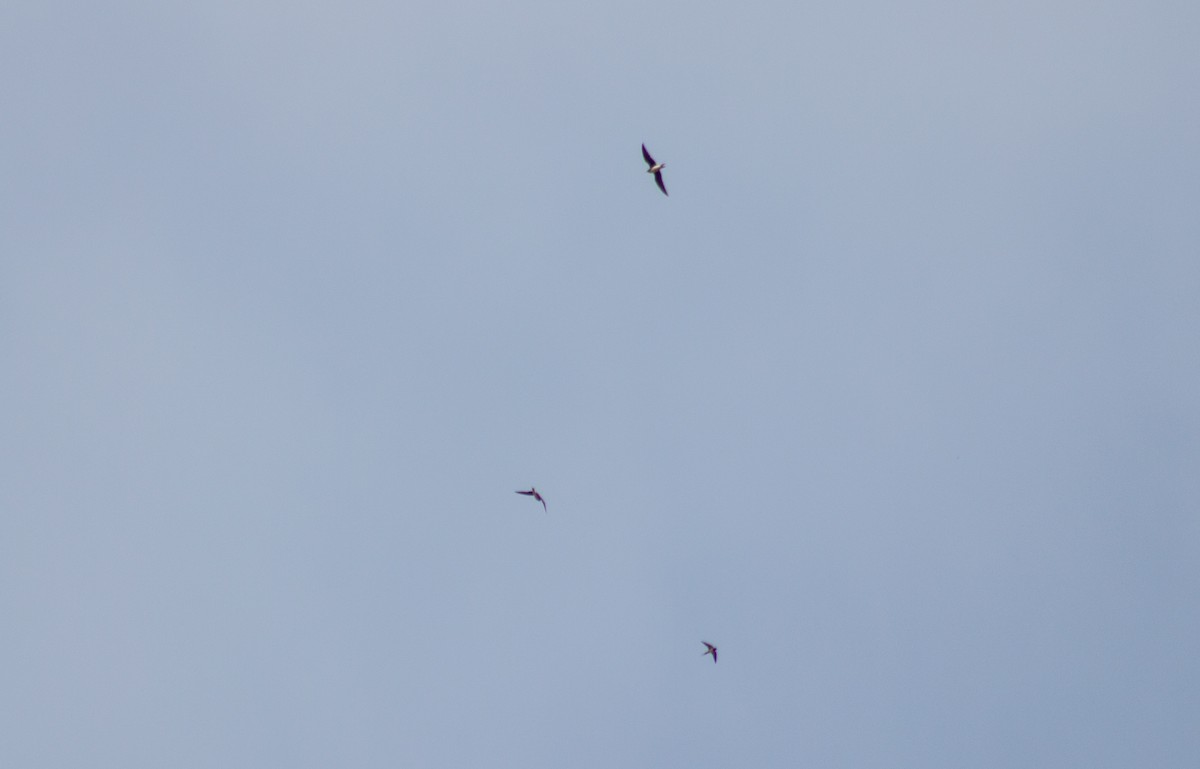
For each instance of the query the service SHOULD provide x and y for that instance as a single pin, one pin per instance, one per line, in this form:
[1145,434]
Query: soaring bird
[711,650]
[534,493]
[655,168]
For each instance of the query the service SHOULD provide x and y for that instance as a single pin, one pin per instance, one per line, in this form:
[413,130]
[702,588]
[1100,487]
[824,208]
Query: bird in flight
[656,169]
[711,650]
[534,493]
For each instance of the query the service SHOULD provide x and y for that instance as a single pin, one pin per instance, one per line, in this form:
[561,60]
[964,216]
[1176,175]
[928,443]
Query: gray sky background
[896,398]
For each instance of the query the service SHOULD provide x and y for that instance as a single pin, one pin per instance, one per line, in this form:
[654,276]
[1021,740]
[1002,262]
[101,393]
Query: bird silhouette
[711,650]
[533,492]
[656,169]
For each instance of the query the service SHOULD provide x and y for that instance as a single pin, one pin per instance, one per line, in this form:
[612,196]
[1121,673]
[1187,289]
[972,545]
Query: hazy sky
[896,398]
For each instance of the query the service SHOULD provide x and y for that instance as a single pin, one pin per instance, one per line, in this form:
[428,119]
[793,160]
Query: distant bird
[534,493]
[711,650]
[656,169]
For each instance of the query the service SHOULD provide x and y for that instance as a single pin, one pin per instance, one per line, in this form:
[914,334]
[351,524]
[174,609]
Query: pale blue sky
[896,398]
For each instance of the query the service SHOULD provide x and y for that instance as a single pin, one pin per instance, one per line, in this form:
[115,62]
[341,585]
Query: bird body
[711,650]
[533,492]
[656,169]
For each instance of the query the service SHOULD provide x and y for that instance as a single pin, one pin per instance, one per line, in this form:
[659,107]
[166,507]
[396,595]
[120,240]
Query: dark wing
[543,501]
[661,186]
[714,655]
[646,155]
[526,493]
